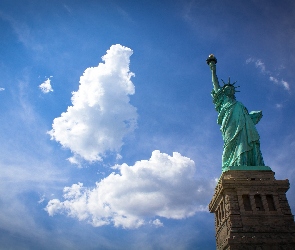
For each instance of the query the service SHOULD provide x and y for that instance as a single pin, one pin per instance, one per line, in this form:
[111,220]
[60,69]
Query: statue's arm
[215,82]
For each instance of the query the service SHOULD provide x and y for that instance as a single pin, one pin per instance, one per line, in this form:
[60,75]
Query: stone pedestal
[252,212]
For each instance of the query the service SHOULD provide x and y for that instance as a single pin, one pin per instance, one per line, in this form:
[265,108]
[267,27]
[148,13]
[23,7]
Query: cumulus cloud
[101,115]
[163,186]
[261,66]
[46,86]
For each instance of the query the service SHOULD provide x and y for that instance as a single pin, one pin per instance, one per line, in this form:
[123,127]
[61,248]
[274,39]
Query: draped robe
[241,139]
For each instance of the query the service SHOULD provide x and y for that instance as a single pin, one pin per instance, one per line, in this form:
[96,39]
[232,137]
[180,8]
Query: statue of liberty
[241,139]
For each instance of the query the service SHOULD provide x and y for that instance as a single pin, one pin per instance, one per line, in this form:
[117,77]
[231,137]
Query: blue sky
[108,133]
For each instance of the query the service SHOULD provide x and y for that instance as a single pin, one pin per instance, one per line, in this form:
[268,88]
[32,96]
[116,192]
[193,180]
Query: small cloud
[76,160]
[273,79]
[249,60]
[279,105]
[46,86]
[285,84]
[157,223]
[41,199]
[2,89]
[118,157]
[260,65]
[281,82]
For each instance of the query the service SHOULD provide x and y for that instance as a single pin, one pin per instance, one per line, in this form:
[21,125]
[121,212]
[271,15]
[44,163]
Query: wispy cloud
[25,167]
[67,8]
[261,66]
[23,32]
[2,89]
[279,105]
[281,82]
[164,186]
[101,115]
[46,86]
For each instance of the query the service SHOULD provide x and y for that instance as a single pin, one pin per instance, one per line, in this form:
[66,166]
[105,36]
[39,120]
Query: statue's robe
[241,139]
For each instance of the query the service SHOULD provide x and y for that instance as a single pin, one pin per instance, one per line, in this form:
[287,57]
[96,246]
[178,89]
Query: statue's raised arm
[211,61]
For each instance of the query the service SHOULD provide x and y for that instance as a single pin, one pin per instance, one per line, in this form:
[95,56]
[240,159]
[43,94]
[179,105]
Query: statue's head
[229,89]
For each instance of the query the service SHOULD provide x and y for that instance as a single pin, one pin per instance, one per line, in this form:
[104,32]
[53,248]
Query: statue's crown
[230,84]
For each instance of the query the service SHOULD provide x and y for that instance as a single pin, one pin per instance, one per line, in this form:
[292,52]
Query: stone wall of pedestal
[252,211]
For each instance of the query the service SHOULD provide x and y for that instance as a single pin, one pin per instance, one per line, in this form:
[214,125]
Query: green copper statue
[241,140]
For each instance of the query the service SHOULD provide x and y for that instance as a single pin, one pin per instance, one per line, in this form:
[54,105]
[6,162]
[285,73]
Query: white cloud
[118,157]
[261,66]
[46,86]
[282,82]
[42,198]
[273,79]
[164,186]
[285,84]
[157,223]
[101,115]
[258,63]
[2,89]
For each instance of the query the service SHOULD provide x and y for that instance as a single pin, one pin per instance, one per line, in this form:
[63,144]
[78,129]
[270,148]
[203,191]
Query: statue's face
[229,91]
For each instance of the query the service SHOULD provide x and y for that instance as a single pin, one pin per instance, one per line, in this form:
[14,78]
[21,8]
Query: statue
[241,140]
